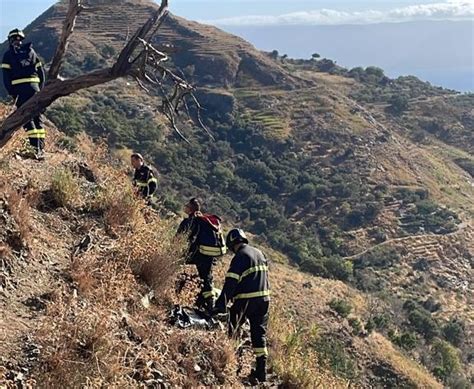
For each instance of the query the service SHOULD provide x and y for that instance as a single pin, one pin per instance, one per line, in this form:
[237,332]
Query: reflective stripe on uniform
[6,66]
[247,272]
[26,80]
[38,65]
[39,133]
[254,270]
[212,251]
[143,184]
[233,275]
[262,293]
[211,293]
[260,351]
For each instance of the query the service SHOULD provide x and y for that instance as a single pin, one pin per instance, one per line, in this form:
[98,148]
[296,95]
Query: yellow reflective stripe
[262,293]
[36,131]
[212,251]
[38,65]
[233,275]
[143,184]
[211,293]
[260,351]
[6,66]
[25,80]
[39,133]
[254,270]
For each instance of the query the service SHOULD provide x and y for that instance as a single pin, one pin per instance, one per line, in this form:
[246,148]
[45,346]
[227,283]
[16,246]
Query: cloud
[449,10]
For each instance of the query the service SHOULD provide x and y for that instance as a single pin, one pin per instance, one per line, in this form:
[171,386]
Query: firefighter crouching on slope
[206,243]
[247,285]
[144,179]
[23,77]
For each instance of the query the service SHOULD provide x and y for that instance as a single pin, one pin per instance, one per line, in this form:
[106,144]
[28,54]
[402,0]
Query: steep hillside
[79,263]
[347,174]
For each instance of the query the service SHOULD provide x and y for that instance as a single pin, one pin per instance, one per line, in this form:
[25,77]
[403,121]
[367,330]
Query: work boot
[260,373]
[39,155]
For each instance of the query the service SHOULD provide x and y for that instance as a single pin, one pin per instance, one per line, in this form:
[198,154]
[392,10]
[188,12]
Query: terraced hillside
[351,175]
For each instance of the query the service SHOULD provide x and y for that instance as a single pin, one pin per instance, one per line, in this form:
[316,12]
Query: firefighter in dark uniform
[204,248]
[23,77]
[247,285]
[144,179]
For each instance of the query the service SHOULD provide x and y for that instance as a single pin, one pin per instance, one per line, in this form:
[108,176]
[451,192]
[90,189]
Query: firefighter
[247,285]
[23,77]
[206,243]
[144,179]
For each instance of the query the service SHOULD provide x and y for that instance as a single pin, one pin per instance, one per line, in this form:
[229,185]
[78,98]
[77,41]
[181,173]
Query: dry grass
[65,190]
[121,209]
[293,358]
[18,208]
[98,332]
[153,252]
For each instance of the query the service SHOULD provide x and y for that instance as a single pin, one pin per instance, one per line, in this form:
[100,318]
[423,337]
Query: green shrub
[423,323]
[333,354]
[454,332]
[381,321]
[382,257]
[407,340]
[329,267]
[342,307]
[356,325]
[398,104]
[446,358]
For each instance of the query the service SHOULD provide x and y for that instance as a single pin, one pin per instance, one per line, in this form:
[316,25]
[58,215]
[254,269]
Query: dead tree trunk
[138,59]
[75,7]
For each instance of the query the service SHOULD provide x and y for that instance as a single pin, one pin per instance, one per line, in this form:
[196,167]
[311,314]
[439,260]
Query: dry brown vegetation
[17,207]
[102,326]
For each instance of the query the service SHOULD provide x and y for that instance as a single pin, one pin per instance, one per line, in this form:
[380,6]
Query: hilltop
[345,174]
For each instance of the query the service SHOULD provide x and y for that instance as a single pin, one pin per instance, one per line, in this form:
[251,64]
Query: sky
[19,13]
[252,19]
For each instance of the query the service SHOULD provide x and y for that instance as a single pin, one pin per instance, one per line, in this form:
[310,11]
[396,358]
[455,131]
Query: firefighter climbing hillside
[206,243]
[144,179]
[247,285]
[23,77]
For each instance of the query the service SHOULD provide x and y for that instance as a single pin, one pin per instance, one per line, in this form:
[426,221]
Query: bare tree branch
[138,59]
[75,7]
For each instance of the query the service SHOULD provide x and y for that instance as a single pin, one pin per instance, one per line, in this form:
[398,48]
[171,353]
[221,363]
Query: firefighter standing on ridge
[206,243]
[23,77]
[247,284]
[144,179]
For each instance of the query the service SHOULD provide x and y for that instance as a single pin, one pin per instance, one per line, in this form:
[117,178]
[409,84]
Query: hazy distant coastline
[441,52]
